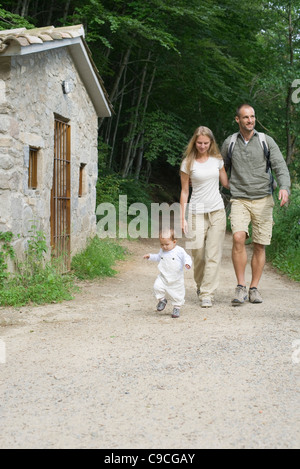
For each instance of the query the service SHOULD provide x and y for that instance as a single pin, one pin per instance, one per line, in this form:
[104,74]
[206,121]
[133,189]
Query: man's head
[245,117]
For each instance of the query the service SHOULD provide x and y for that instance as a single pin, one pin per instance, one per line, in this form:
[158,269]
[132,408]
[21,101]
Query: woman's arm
[223,178]
[184,195]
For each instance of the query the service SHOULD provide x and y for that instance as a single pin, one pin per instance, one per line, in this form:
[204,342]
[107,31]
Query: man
[252,200]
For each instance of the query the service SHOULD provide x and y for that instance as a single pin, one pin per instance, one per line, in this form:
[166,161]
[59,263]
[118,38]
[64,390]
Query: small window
[32,169]
[81,179]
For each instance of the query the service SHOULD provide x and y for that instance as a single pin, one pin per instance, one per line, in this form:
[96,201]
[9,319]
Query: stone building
[51,96]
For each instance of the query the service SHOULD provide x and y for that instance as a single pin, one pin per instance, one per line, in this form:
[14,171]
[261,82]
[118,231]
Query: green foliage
[111,186]
[36,248]
[10,20]
[44,286]
[35,281]
[5,252]
[97,259]
[164,137]
[284,251]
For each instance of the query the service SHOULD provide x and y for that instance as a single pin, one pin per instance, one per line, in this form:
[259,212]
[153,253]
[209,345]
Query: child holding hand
[172,259]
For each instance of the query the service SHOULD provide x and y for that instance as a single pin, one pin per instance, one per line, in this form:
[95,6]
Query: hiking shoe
[206,303]
[254,295]
[240,295]
[176,313]
[161,304]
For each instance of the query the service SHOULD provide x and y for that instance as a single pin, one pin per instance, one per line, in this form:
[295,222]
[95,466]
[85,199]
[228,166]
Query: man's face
[246,119]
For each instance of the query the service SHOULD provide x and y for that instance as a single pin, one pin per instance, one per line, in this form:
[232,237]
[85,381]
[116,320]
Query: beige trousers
[207,232]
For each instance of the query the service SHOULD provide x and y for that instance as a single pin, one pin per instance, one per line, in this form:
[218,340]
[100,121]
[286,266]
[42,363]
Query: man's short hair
[238,109]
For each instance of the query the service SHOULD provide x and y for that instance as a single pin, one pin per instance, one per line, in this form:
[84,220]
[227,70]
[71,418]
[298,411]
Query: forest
[172,65]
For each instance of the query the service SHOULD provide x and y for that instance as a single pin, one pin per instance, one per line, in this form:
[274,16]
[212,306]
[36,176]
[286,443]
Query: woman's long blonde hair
[191,153]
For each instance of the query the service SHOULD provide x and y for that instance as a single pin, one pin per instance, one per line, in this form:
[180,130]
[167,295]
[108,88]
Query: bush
[284,251]
[97,259]
[40,282]
[35,281]
[46,286]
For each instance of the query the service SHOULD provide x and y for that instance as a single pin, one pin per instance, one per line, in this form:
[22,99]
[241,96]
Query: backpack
[263,142]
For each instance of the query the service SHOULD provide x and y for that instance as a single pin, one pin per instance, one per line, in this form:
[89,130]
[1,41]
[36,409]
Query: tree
[183,63]
[273,89]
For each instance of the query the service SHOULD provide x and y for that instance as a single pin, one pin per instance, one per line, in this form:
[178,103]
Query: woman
[203,166]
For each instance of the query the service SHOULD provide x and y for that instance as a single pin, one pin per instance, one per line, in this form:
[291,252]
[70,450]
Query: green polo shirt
[248,179]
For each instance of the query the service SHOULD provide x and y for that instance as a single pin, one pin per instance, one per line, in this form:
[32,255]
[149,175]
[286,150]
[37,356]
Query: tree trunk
[113,94]
[129,157]
[113,143]
[66,11]
[120,73]
[139,159]
[24,10]
[141,151]
[49,19]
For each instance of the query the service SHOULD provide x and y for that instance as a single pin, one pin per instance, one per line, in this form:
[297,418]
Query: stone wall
[31,94]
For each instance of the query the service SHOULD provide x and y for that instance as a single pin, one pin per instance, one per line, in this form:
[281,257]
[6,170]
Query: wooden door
[61,194]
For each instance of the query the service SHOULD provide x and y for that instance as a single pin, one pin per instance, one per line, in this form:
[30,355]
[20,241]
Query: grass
[47,286]
[40,282]
[97,259]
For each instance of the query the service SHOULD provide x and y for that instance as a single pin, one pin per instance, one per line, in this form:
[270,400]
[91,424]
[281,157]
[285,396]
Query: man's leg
[257,263]
[239,256]
[262,223]
[239,259]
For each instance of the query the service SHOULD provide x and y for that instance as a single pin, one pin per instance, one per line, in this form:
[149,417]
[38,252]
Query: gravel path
[106,370]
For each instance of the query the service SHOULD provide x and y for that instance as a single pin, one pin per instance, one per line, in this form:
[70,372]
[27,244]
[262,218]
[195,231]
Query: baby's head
[167,239]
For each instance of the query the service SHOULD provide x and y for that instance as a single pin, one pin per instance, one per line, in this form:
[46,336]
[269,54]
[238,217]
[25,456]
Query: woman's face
[202,144]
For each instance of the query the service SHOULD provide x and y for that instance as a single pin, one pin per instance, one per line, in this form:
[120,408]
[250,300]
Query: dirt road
[106,370]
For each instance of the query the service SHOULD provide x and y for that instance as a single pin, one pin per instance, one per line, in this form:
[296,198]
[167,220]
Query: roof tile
[25,37]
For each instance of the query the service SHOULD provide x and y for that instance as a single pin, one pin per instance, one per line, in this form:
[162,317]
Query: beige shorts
[257,211]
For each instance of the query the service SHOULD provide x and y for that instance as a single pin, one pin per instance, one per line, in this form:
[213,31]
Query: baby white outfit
[171,277]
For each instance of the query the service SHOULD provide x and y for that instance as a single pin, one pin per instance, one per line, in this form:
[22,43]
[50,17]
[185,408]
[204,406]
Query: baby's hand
[146,256]
[187,266]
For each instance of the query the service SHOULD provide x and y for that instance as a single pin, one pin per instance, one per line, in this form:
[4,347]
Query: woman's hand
[184,226]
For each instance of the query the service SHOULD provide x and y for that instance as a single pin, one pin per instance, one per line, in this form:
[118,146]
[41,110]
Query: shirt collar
[254,133]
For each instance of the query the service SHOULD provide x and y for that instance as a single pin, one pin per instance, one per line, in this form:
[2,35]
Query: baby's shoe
[161,304]
[176,312]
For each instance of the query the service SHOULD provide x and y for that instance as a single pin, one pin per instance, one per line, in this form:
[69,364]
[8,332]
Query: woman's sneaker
[254,295]
[161,304]
[240,295]
[206,303]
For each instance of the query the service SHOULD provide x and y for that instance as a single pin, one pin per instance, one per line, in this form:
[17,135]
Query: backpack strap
[231,145]
[230,149]
[262,139]
[263,142]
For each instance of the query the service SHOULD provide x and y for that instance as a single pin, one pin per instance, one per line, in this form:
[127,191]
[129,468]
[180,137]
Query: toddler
[171,259]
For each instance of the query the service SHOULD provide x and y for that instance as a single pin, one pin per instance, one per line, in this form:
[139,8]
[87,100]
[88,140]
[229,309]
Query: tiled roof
[25,37]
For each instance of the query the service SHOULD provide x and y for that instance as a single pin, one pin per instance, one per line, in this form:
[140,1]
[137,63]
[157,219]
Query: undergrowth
[284,251]
[38,281]
[97,259]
